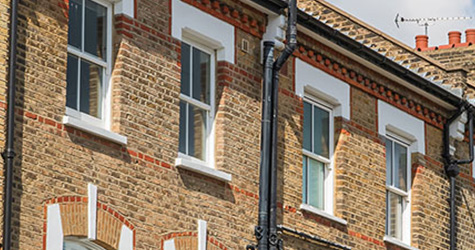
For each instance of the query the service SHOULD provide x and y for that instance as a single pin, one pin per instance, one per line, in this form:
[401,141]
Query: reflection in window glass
[91,89]
[315,177]
[316,140]
[397,182]
[201,77]
[86,70]
[95,29]
[307,126]
[194,107]
[75,23]
[72,82]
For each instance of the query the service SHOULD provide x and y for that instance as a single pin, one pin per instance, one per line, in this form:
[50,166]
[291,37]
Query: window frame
[210,108]
[106,64]
[328,185]
[406,195]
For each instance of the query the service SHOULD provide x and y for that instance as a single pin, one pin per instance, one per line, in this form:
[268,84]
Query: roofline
[365,53]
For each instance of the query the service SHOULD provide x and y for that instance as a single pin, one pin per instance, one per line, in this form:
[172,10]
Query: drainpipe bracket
[452,170]
[8,154]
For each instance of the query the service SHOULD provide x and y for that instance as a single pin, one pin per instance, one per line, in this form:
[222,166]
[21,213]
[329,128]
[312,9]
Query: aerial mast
[426,21]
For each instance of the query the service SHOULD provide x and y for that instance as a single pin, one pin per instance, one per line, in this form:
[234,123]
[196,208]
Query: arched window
[75,243]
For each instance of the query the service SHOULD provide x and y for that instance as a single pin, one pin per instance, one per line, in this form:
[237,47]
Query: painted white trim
[192,21]
[395,121]
[203,169]
[91,211]
[169,244]
[125,7]
[202,234]
[126,241]
[315,82]
[399,243]
[54,228]
[101,132]
[314,210]
[404,140]
[328,196]
[210,124]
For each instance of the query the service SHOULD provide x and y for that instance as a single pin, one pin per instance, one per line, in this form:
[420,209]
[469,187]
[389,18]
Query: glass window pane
[185,69]
[75,22]
[197,133]
[307,126]
[91,89]
[389,162]
[201,75]
[72,82]
[321,128]
[95,30]
[394,213]
[304,181]
[182,133]
[400,155]
[316,176]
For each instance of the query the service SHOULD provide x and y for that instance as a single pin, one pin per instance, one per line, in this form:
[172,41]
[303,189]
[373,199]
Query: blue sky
[381,14]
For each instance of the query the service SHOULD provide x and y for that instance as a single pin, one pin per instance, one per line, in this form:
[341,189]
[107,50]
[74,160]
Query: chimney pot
[470,36]
[454,37]
[422,41]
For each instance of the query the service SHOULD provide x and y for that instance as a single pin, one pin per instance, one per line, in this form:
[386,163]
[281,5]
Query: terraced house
[137,124]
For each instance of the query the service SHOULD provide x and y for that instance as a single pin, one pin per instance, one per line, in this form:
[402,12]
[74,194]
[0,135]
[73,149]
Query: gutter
[9,154]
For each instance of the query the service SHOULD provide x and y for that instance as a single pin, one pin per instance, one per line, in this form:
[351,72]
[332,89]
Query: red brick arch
[74,220]
[189,240]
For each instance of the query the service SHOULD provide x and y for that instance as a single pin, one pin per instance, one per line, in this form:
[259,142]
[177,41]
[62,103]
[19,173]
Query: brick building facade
[138,127]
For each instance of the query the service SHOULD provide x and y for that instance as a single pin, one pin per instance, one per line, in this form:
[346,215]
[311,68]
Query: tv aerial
[427,21]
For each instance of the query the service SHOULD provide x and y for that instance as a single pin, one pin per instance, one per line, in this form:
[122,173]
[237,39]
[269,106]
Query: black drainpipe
[261,230]
[266,230]
[451,168]
[9,153]
[290,46]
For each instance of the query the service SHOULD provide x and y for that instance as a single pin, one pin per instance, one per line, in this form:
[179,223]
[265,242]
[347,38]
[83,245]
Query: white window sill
[314,210]
[398,243]
[98,131]
[202,169]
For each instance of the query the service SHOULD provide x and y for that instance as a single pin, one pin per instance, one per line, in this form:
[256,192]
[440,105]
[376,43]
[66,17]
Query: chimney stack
[454,37]
[470,36]
[422,41]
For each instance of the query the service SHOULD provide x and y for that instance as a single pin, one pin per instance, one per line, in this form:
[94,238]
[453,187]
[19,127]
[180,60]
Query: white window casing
[189,21]
[404,129]
[82,121]
[313,81]
[328,183]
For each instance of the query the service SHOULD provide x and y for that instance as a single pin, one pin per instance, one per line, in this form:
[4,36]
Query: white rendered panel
[396,121]
[315,82]
[189,21]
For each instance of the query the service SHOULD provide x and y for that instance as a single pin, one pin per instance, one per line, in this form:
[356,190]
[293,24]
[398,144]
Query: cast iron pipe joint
[452,170]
